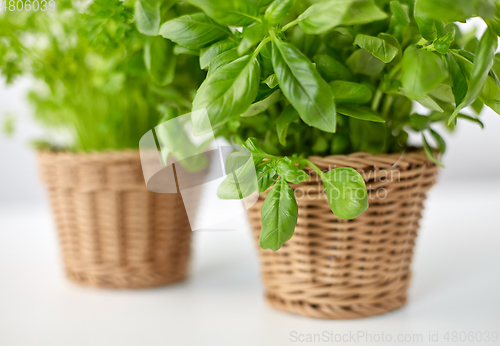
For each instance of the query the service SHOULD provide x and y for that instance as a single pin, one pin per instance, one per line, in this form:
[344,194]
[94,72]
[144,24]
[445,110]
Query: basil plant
[93,73]
[289,79]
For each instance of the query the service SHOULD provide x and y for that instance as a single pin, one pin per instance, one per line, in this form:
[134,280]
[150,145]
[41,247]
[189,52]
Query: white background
[455,284]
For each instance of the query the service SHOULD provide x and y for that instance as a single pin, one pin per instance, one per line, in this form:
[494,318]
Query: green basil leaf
[474,120]
[266,175]
[252,35]
[194,31]
[422,72]
[264,92]
[328,14]
[236,159]
[171,95]
[175,142]
[490,95]
[496,65]
[240,182]
[349,92]
[393,42]
[439,28]
[346,192]
[277,11]
[147,16]
[288,115]
[466,54]
[331,69]
[207,54]
[487,9]
[230,190]
[339,38]
[271,81]
[360,112]
[178,50]
[458,78]
[426,25]
[429,153]
[419,122]
[443,92]
[222,59]
[258,154]
[483,63]
[442,45]
[429,103]
[435,117]
[289,172]
[240,170]
[252,144]
[302,85]
[426,101]
[494,22]
[378,47]
[249,149]
[447,10]
[363,62]
[478,105]
[279,215]
[439,141]
[226,93]
[469,41]
[266,56]
[229,12]
[262,105]
[400,20]
[160,60]
[307,44]
[262,3]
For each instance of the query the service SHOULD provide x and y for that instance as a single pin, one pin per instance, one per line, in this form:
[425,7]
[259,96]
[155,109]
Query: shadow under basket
[114,232]
[341,269]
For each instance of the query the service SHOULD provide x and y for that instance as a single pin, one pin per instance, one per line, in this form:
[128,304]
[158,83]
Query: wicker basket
[114,232]
[340,269]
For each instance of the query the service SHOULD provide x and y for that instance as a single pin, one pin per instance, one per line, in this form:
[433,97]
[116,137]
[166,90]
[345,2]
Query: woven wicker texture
[113,231]
[340,269]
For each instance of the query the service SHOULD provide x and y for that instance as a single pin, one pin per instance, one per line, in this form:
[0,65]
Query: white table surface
[455,287]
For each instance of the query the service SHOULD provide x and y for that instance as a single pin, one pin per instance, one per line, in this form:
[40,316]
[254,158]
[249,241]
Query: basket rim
[108,155]
[363,160]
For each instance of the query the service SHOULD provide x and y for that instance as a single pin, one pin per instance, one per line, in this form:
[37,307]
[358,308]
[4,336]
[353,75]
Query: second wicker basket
[114,232]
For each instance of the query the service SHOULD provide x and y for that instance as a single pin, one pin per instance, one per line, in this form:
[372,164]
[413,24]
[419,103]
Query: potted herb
[101,85]
[321,94]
